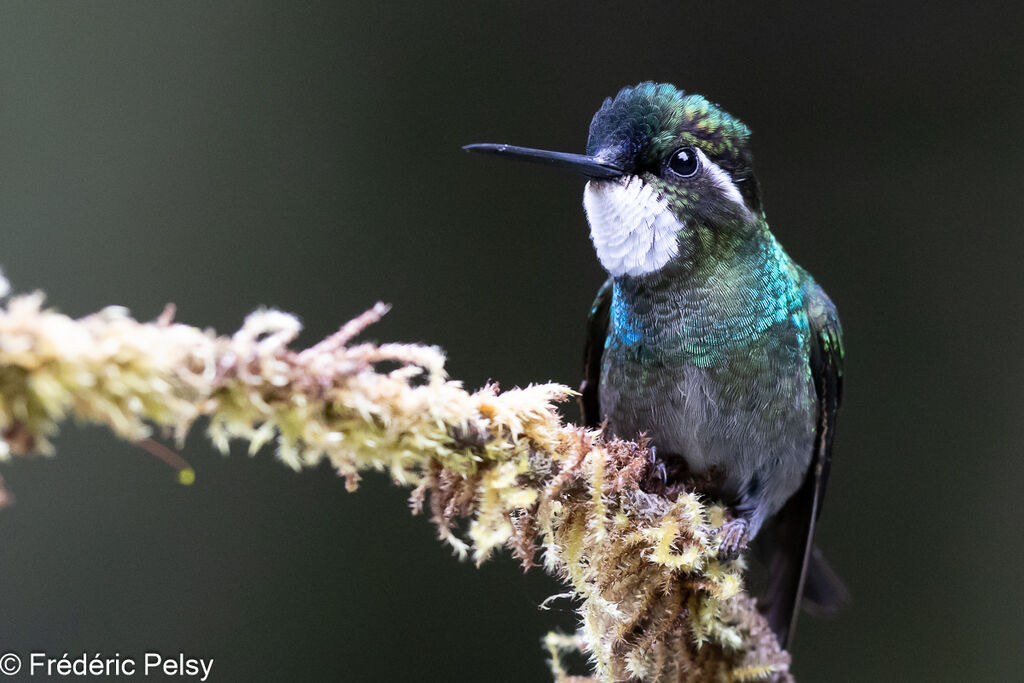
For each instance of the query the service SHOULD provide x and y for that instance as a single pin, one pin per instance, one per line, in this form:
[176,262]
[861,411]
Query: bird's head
[671,180]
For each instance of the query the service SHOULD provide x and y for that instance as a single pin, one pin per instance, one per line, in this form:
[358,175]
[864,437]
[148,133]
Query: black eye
[684,161]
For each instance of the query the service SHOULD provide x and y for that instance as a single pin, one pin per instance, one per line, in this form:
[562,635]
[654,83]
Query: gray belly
[752,419]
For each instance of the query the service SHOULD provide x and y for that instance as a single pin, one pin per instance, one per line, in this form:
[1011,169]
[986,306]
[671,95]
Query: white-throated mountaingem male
[707,337]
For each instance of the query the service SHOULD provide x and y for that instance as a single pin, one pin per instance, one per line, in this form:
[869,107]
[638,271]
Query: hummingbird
[706,339]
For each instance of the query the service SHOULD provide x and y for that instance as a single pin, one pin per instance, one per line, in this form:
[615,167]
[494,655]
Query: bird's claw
[656,478]
[733,538]
[657,470]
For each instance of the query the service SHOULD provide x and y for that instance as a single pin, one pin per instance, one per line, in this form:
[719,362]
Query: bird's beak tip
[580,163]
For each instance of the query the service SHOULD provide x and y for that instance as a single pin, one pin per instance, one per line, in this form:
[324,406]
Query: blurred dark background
[306,156]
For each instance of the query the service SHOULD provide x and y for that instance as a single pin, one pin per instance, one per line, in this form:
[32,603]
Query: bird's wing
[797,564]
[593,350]
[827,370]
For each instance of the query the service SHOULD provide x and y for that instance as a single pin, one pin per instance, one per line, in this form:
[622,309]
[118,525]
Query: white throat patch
[632,228]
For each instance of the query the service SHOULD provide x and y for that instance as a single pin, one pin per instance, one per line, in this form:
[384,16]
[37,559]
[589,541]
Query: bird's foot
[657,469]
[656,478]
[733,537]
[659,473]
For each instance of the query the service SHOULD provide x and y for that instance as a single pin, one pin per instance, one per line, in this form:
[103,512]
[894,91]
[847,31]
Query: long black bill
[592,167]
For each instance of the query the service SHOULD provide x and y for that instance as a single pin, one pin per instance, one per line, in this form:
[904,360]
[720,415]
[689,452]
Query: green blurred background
[225,156]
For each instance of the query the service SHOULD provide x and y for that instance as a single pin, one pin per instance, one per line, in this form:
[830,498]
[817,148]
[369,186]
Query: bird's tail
[796,572]
[821,594]
[825,593]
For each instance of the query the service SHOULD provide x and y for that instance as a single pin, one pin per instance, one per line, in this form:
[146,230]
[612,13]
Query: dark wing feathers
[827,370]
[796,562]
[593,350]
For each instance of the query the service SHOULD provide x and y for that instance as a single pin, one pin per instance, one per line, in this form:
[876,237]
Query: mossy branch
[654,600]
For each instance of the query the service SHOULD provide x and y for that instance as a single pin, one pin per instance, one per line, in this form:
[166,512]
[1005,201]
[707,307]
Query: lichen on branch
[655,602]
